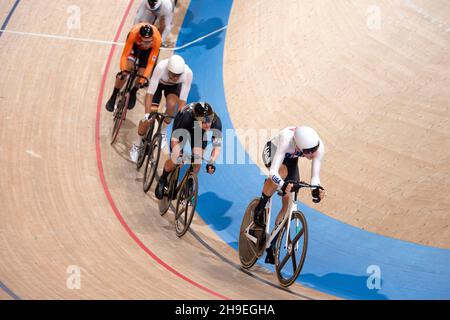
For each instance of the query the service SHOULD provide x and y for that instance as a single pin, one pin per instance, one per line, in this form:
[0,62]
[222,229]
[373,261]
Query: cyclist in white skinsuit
[150,10]
[281,155]
[173,78]
[161,77]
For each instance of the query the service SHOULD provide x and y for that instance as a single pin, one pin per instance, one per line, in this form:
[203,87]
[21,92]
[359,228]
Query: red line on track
[102,174]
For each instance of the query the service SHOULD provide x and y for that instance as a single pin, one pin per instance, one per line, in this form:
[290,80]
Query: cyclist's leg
[143,124]
[170,165]
[270,257]
[198,156]
[171,105]
[290,168]
[292,174]
[171,93]
[180,136]
[146,122]
[143,61]
[269,186]
[176,151]
[119,83]
[156,100]
[135,89]
[121,79]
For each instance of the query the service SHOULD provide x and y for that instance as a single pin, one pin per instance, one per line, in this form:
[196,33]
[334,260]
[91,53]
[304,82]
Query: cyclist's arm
[215,154]
[185,88]
[277,161]
[156,78]
[316,164]
[216,139]
[181,122]
[127,50]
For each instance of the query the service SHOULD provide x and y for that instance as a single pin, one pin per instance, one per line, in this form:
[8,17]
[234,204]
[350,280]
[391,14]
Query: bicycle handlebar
[181,159]
[302,184]
[124,73]
[161,115]
[146,83]
[298,185]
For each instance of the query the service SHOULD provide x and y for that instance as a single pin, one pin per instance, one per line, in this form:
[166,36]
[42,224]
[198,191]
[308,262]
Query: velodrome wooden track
[57,188]
[56,209]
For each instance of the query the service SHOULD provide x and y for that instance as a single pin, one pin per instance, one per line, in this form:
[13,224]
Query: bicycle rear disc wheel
[119,116]
[145,147]
[249,252]
[151,165]
[287,272]
[186,203]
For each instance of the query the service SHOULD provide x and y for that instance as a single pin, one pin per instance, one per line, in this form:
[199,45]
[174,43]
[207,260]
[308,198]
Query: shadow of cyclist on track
[193,30]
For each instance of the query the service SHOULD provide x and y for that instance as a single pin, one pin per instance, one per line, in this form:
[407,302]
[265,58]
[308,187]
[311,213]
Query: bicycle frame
[186,174]
[177,175]
[132,77]
[272,234]
[159,118]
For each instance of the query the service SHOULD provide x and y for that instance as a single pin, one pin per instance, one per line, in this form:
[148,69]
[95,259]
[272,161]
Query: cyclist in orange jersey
[143,43]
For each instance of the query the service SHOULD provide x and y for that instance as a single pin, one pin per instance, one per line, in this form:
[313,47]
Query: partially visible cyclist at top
[173,77]
[281,156]
[143,43]
[157,12]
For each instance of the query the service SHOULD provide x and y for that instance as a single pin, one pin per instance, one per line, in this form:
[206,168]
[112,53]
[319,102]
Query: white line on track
[33,154]
[59,37]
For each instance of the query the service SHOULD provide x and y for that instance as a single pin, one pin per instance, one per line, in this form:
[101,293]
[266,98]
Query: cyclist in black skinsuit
[191,124]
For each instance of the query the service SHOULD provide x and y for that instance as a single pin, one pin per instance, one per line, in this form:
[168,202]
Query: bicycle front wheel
[186,203]
[119,116]
[151,165]
[147,142]
[297,244]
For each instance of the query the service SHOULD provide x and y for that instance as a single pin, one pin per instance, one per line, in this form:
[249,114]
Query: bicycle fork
[288,215]
[292,207]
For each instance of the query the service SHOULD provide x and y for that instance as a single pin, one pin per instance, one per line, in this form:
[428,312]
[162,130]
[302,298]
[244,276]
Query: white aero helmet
[176,64]
[306,139]
[154,4]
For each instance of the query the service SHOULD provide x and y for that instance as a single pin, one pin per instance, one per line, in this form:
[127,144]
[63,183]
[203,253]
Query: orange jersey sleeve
[131,39]
[157,40]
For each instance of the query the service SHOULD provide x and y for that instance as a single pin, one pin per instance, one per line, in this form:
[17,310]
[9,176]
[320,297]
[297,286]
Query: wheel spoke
[251,246]
[283,262]
[185,215]
[294,262]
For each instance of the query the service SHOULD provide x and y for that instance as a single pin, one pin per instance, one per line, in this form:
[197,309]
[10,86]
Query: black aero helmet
[146,31]
[202,111]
